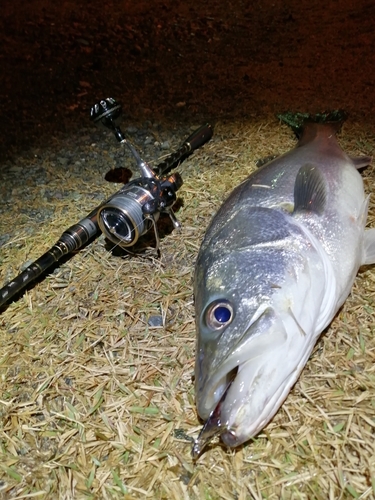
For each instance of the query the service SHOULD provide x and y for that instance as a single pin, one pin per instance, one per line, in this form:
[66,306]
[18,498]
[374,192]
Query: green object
[296,120]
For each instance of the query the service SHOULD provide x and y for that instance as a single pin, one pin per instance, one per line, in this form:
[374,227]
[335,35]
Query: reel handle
[105,113]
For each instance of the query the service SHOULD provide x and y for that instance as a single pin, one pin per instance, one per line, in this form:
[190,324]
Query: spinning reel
[128,214]
[133,210]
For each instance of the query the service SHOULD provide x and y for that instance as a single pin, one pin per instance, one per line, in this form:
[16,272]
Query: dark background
[179,61]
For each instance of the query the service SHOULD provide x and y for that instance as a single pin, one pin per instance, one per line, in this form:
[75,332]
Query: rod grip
[29,274]
[198,138]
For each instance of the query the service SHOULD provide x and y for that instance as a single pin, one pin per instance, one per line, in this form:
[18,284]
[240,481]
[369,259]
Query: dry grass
[95,403]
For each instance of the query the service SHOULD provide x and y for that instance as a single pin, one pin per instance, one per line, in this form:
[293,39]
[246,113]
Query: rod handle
[198,138]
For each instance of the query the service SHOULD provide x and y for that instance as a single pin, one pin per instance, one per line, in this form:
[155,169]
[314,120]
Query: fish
[277,262]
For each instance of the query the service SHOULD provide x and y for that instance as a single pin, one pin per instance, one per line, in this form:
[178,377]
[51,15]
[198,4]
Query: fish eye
[219,314]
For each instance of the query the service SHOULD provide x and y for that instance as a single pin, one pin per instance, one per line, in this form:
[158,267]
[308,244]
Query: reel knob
[105,112]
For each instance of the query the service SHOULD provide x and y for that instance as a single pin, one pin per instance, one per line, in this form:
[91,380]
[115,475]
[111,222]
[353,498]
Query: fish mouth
[221,424]
[253,393]
[251,385]
[214,426]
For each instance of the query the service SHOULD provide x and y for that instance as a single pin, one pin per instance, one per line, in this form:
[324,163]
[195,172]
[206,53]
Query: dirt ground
[181,61]
[96,401]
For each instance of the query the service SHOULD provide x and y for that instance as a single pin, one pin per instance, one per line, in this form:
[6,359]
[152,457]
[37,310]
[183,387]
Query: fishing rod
[126,215]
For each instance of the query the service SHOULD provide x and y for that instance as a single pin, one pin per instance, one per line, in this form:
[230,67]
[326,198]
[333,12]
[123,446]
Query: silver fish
[277,262]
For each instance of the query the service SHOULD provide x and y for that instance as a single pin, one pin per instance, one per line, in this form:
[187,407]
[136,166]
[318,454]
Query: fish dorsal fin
[310,192]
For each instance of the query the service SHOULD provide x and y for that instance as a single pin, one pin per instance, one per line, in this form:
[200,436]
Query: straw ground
[96,403]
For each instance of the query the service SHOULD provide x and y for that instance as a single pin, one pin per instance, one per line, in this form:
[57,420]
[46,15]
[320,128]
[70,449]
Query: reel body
[121,220]
[133,210]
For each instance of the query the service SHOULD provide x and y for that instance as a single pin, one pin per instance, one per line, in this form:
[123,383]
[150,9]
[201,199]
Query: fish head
[237,337]
[256,307]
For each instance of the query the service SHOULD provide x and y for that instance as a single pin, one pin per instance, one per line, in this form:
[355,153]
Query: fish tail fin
[298,121]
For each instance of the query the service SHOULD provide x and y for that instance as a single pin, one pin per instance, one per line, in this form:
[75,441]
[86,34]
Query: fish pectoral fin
[369,247]
[361,161]
[310,192]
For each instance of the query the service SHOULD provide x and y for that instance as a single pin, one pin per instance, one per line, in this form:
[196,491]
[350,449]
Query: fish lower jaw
[232,438]
[234,421]
[243,420]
